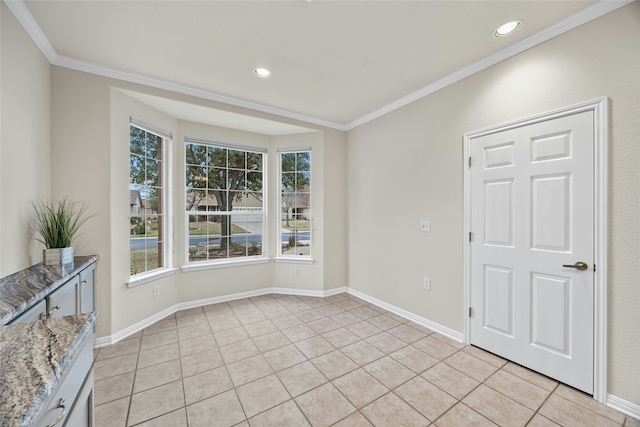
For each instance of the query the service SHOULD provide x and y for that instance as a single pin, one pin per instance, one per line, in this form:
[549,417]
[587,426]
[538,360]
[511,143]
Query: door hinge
[470,312]
[470,236]
[469,161]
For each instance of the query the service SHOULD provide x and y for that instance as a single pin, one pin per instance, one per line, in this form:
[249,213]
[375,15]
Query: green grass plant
[58,222]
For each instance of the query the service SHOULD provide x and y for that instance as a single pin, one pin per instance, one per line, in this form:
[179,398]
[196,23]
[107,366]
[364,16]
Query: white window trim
[294,260]
[150,276]
[225,263]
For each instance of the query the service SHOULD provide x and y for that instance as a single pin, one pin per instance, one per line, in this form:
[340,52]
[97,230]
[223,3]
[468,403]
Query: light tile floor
[283,360]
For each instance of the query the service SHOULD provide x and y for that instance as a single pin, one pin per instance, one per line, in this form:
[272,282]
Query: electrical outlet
[425,226]
[426,283]
[156,291]
[296,271]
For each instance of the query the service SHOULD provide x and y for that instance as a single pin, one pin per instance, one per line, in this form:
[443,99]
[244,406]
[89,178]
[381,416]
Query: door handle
[578,265]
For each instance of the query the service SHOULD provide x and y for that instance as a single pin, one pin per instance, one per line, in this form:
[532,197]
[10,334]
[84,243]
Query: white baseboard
[621,405]
[120,335]
[443,330]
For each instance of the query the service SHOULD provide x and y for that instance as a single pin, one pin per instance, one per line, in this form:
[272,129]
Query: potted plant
[57,223]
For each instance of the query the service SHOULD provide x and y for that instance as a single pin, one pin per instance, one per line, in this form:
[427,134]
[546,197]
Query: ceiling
[334,63]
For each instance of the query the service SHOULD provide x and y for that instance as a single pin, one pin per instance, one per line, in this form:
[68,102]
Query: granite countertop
[33,358]
[21,290]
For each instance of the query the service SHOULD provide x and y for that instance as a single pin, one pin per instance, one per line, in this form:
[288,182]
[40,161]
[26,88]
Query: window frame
[194,265]
[280,256]
[164,185]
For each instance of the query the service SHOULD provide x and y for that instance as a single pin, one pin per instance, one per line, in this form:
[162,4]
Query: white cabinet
[82,412]
[67,405]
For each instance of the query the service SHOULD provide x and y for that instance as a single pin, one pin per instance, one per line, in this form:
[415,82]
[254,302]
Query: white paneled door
[532,246]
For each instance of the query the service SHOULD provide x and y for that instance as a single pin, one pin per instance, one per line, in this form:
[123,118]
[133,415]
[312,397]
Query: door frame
[599,107]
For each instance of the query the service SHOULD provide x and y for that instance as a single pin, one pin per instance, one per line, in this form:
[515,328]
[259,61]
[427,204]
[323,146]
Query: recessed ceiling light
[508,28]
[262,72]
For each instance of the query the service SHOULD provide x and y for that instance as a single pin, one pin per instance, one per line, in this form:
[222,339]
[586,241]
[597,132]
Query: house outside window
[147,205]
[295,218]
[224,197]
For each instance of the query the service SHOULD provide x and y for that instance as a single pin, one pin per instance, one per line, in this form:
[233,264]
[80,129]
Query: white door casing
[535,200]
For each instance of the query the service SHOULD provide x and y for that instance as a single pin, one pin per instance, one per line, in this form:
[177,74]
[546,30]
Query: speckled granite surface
[33,358]
[21,290]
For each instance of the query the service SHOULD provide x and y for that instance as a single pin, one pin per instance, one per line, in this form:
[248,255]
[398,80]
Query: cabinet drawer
[32,314]
[87,290]
[62,400]
[64,301]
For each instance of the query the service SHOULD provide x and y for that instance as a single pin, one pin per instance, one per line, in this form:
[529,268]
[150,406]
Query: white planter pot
[58,256]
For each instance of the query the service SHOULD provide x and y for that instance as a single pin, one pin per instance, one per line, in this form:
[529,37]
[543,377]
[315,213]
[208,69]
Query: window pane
[288,181]
[194,198]
[254,201]
[236,159]
[137,250]
[236,179]
[153,204]
[152,172]
[196,154]
[153,146]
[254,181]
[303,180]
[289,203]
[136,169]
[238,245]
[254,161]
[136,140]
[288,162]
[217,157]
[217,178]
[303,161]
[196,240]
[196,177]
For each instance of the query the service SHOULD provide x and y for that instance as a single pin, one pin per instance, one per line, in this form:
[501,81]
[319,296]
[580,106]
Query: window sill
[224,264]
[294,260]
[151,276]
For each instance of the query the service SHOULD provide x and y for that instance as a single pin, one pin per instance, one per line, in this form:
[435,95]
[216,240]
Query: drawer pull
[62,406]
[57,307]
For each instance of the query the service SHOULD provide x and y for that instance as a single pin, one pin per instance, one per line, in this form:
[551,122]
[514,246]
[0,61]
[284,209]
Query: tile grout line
[237,310]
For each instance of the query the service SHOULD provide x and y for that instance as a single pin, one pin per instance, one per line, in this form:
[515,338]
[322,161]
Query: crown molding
[22,14]
[583,16]
[87,67]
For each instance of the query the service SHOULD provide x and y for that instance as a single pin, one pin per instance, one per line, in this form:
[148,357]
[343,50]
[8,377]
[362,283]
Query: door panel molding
[599,109]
